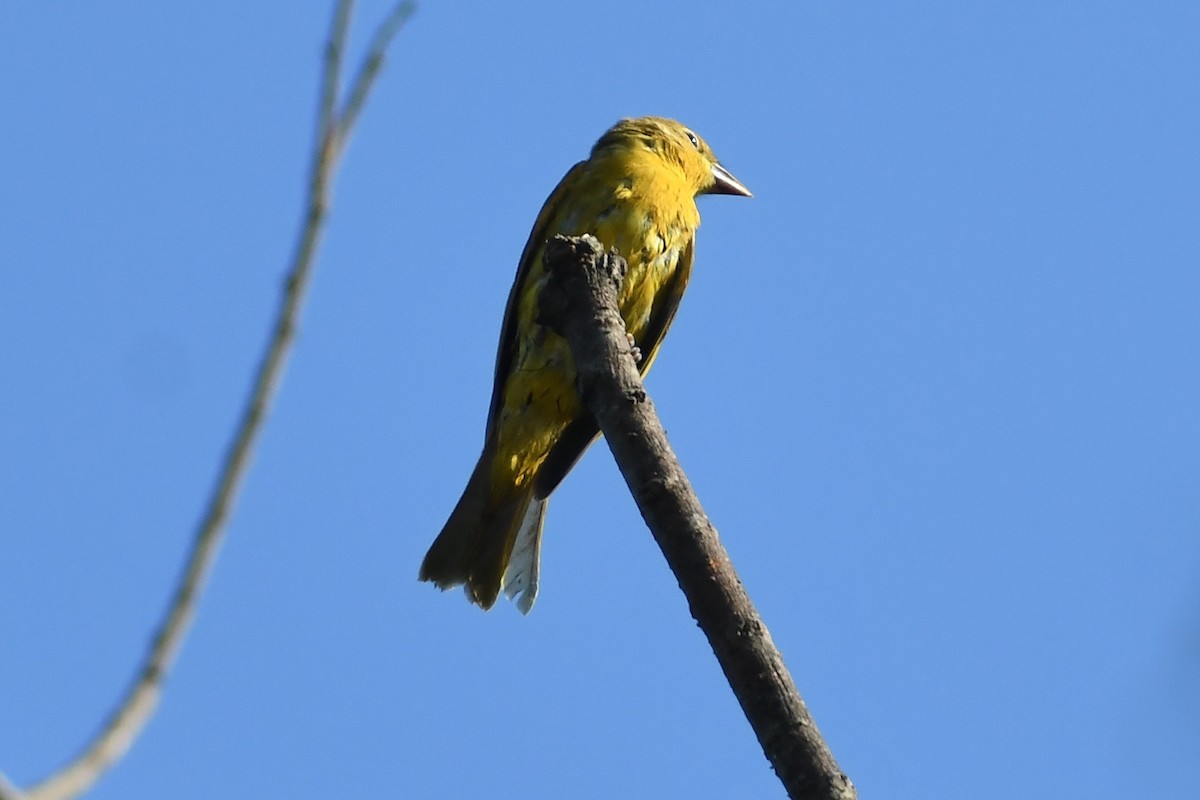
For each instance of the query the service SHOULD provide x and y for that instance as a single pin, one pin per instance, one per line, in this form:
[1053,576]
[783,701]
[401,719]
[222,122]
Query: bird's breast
[651,241]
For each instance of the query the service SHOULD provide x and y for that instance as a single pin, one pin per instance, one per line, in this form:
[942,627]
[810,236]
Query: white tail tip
[521,576]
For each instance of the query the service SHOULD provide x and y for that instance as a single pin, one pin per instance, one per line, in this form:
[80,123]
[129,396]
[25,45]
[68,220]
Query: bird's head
[678,146]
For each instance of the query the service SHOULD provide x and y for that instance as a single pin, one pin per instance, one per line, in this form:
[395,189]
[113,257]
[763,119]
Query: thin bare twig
[371,65]
[331,76]
[131,714]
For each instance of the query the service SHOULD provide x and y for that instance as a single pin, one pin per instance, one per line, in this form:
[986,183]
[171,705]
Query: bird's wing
[665,306]
[583,431]
[507,349]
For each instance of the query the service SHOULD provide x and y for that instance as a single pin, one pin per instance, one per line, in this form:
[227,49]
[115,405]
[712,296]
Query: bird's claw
[634,350]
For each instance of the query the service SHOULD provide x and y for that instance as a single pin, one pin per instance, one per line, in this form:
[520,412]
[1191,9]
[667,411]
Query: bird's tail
[491,542]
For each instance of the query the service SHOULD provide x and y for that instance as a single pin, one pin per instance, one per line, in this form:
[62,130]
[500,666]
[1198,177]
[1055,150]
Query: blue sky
[937,384]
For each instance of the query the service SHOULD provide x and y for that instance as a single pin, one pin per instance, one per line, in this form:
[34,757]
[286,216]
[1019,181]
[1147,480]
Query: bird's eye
[692,138]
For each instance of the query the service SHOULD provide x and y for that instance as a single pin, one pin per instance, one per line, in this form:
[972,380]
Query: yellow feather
[635,193]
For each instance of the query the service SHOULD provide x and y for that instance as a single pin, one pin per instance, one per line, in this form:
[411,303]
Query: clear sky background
[937,384]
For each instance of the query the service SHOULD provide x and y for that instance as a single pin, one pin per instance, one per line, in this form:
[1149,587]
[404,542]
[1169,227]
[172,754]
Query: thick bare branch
[580,301]
[135,708]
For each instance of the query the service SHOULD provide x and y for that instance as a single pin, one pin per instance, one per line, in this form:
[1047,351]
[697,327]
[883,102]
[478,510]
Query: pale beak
[725,183]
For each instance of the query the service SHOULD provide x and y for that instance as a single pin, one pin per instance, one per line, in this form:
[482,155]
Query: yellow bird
[636,193]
